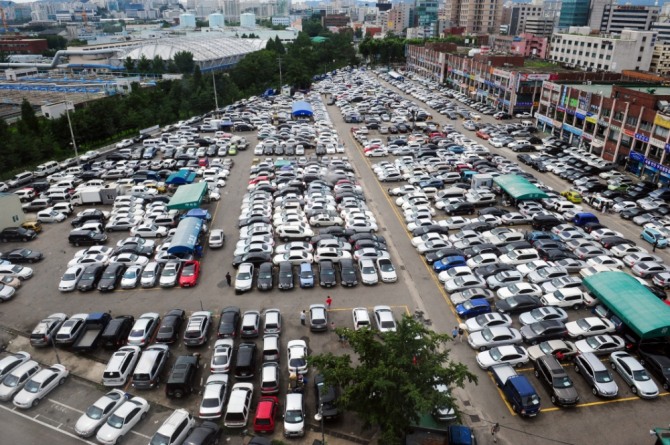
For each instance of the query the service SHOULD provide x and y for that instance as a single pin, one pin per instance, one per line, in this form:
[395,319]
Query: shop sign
[552,86]
[597,143]
[543,119]
[635,156]
[587,136]
[501,73]
[533,76]
[546,103]
[559,108]
[656,143]
[662,121]
[573,130]
[667,147]
[660,167]
[641,137]
[573,102]
[591,119]
[628,132]
[602,123]
[557,124]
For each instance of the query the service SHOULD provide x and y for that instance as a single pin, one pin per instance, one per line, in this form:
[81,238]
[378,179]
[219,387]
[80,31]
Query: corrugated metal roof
[519,187]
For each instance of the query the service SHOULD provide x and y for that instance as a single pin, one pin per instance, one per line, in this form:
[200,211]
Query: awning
[302,108]
[181,177]
[188,196]
[519,187]
[199,213]
[186,237]
[632,302]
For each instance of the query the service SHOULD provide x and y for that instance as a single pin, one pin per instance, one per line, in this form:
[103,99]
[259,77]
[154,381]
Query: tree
[144,64]
[184,62]
[394,380]
[28,117]
[157,65]
[129,64]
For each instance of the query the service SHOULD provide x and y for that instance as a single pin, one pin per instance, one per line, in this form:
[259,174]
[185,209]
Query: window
[618,115]
[639,59]
[613,135]
[626,140]
[661,132]
[632,121]
[644,125]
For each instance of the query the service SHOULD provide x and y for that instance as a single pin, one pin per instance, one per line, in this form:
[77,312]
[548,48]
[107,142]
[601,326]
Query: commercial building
[527,45]
[660,60]
[398,18]
[429,60]
[476,16]
[626,122]
[574,13]
[20,45]
[631,50]
[516,14]
[425,16]
[540,26]
[617,17]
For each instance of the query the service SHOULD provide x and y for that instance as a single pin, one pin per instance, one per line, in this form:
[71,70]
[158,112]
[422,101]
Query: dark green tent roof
[632,302]
[188,196]
[519,187]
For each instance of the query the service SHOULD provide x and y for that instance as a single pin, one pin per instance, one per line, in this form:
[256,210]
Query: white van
[175,428]
[120,366]
[74,171]
[239,404]
[47,168]
[152,142]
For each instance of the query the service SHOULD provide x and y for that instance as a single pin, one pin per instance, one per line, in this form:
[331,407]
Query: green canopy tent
[188,196]
[632,302]
[519,187]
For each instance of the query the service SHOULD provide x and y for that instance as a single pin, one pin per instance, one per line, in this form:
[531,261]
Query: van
[270,378]
[79,237]
[120,366]
[60,196]
[452,192]
[245,362]
[239,403]
[583,218]
[181,381]
[149,367]
[518,390]
[294,415]
[175,428]
[152,143]
[21,179]
[271,347]
[47,168]
[116,332]
[527,124]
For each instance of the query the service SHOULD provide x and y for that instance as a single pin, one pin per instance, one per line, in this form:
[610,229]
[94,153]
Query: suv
[175,428]
[558,383]
[196,333]
[45,331]
[318,317]
[326,398]
[250,324]
[596,375]
[17,234]
[181,381]
[149,367]
[239,403]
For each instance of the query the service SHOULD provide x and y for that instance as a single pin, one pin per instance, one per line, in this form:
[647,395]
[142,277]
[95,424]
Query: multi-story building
[20,45]
[398,18]
[660,60]
[425,16]
[516,14]
[429,60]
[574,13]
[617,17]
[663,30]
[596,11]
[631,50]
[527,45]
[619,122]
[540,26]
[477,16]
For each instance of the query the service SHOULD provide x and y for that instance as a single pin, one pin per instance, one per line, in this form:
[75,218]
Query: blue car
[457,149]
[654,237]
[435,182]
[449,262]
[538,235]
[472,308]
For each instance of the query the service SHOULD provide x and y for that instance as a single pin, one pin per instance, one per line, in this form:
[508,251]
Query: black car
[432,257]
[327,276]
[94,215]
[656,358]
[547,244]
[540,331]
[229,324]
[111,276]
[182,379]
[555,254]
[337,231]
[348,276]
[23,256]
[206,433]
[255,258]
[136,248]
[285,277]
[168,331]
[518,303]
[495,211]
[90,276]
[362,244]
[492,269]
[326,398]
[545,222]
[360,236]
[264,281]
[460,208]
[432,228]
[17,234]
[590,227]
[478,226]
[116,332]
[481,248]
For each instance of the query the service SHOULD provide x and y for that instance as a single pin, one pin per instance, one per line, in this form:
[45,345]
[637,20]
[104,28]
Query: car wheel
[633,389]
[36,402]
[143,416]
[537,374]
[553,399]
[76,244]
[613,365]
[178,394]
[482,348]
[576,306]
[594,391]
[118,440]
[61,381]
[580,337]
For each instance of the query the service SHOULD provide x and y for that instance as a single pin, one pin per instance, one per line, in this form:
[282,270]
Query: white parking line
[72,408]
[51,427]
[140,434]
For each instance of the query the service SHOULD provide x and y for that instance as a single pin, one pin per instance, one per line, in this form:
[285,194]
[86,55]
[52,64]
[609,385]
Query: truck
[94,326]
[481,180]
[518,390]
[94,195]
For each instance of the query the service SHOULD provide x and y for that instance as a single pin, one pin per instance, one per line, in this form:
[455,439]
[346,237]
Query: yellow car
[572,196]
[32,225]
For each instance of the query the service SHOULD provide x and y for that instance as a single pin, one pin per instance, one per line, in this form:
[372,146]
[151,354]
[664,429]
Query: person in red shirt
[329,301]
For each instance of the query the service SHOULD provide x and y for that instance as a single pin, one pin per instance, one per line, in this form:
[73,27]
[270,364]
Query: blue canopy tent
[199,213]
[186,237]
[181,177]
[302,109]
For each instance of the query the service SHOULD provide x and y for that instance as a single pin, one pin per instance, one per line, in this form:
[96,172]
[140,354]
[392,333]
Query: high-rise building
[477,16]
[516,14]
[617,17]
[426,16]
[398,18]
[574,13]
[231,9]
[596,11]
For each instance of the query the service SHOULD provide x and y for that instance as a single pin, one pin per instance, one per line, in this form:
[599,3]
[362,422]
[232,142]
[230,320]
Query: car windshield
[533,399]
[487,334]
[115,421]
[188,270]
[207,403]
[640,376]
[495,354]
[602,376]
[584,324]
[537,328]
[31,386]
[148,273]
[69,276]
[297,362]
[563,382]
[94,412]
[10,381]
[160,439]
[593,342]
[169,272]
[221,359]
[513,288]
[386,267]
[130,273]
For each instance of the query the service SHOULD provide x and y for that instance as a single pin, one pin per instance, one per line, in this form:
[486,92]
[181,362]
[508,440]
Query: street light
[69,104]
[319,418]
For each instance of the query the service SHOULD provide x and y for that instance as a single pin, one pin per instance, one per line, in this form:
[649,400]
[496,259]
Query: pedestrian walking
[460,334]
[229,279]
[329,301]
[454,332]
[303,317]
[494,432]
[332,326]
[653,249]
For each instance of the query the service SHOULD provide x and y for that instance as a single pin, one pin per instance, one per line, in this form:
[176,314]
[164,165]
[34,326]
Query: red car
[189,274]
[266,412]
[482,134]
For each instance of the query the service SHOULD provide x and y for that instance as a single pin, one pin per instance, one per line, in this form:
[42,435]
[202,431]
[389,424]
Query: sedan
[122,420]
[214,397]
[511,355]
[552,347]
[589,326]
[623,250]
[70,278]
[170,274]
[542,314]
[586,252]
[518,303]
[492,337]
[633,259]
[222,356]
[461,283]
[519,289]
[601,344]
[96,414]
[371,253]
[634,374]
[539,331]
[149,231]
[486,321]
[647,269]
[40,385]
[387,271]
[131,277]
[17,256]
[144,328]
[190,273]
[503,279]
[295,257]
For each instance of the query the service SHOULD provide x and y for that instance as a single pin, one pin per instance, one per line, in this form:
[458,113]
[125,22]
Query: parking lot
[417,288]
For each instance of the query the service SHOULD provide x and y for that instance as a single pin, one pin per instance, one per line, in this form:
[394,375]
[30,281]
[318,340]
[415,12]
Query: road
[21,428]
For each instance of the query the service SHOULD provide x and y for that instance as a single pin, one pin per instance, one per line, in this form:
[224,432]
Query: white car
[384,320]
[622,250]
[511,355]
[122,420]
[96,414]
[244,279]
[68,281]
[585,327]
[131,277]
[50,216]
[295,246]
[432,236]
[214,396]
[368,271]
[88,260]
[295,257]
[297,356]
[330,253]
[216,238]
[325,220]
[14,270]
[95,250]
[149,231]
[361,318]
[484,321]
[40,385]
[387,271]
[143,329]
[222,355]
[130,259]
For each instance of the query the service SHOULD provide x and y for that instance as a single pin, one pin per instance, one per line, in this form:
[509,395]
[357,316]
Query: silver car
[494,336]
[634,374]
[150,274]
[596,374]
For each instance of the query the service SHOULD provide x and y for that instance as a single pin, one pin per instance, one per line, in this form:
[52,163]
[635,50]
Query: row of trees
[391,49]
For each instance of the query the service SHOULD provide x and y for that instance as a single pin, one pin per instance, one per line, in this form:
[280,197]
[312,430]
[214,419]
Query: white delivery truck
[481,180]
[94,195]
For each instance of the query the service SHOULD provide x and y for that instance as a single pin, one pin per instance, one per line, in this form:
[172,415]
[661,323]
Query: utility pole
[69,104]
[216,98]
[281,81]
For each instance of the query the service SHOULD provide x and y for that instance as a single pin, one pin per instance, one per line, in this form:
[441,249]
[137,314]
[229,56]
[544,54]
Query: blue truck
[518,390]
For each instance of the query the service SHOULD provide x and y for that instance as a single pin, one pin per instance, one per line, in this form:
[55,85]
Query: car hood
[107,433]
[24,398]
[567,394]
[86,425]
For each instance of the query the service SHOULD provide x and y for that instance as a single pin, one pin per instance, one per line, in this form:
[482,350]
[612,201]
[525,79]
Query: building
[660,60]
[617,17]
[515,16]
[475,16]
[20,45]
[540,26]
[429,60]
[596,11]
[663,30]
[187,21]
[56,110]
[425,16]
[527,45]
[12,214]
[216,20]
[231,9]
[248,20]
[631,50]
[281,21]
[620,122]
[335,20]
[574,13]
